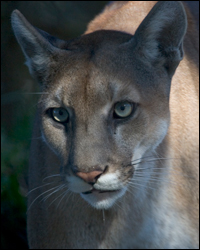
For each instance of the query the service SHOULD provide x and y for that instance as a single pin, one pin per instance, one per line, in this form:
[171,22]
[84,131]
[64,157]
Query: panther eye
[60,114]
[123,109]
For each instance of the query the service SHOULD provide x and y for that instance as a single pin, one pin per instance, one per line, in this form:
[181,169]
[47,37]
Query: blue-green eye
[123,109]
[60,114]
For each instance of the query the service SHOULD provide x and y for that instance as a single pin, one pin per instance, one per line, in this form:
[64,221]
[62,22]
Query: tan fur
[153,156]
[183,132]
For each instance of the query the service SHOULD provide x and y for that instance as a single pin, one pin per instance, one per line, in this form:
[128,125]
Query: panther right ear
[40,49]
[160,36]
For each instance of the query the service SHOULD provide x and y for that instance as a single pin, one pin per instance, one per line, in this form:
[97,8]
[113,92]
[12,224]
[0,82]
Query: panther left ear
[160,36]
[39,48]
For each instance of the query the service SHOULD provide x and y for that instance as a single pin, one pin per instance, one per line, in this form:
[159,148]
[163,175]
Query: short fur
[147,195]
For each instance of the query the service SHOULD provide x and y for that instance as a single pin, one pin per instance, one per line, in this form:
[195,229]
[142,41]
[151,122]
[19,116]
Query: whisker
[40,196]
[133,184]
[170,182]
[38,187]
[117,204]
[70,194]
[55,199]
[138,188]
[155,159]
[143,158]
[170,172]
[128,189]
[135,187]
[50,176]
[160,180]
[47,196]
[66,192]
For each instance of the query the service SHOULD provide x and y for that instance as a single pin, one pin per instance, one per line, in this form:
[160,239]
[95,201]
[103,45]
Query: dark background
[65,20]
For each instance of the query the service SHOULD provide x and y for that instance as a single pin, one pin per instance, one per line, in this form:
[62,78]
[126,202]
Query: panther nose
[90,177]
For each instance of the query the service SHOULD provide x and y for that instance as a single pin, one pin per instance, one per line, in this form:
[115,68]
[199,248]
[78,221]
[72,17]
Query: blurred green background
[65,20]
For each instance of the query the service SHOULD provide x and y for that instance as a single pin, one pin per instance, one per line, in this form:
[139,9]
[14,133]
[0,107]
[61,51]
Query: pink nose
[89,177]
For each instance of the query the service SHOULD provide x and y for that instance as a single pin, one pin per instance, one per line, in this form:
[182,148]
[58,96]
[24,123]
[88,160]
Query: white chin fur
[103,200]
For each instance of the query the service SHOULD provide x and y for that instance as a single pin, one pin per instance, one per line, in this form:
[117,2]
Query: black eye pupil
[123,109]
[60,114]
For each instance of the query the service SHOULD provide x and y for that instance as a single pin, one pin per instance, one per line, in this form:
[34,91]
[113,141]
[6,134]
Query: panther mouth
[102,199]
[100,191]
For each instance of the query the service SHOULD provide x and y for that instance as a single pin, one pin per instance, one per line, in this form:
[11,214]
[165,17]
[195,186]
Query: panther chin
[102,199]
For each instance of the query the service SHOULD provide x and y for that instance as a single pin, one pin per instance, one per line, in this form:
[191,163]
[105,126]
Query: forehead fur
[99,65]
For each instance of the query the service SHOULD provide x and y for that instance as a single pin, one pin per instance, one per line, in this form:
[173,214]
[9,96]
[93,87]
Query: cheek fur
[55,139]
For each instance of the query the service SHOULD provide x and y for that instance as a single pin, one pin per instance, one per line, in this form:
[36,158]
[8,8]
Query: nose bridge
[89,150]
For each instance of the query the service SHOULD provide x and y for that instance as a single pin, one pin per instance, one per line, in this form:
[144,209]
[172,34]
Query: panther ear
[39,48]
[160,36]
